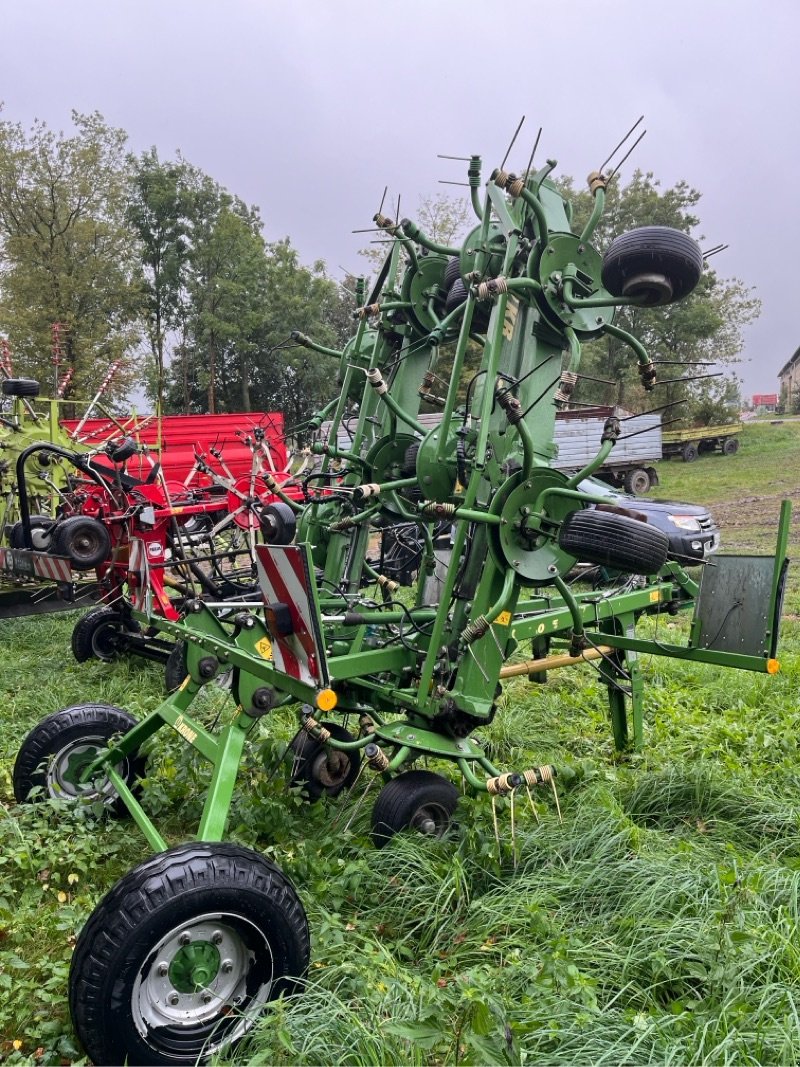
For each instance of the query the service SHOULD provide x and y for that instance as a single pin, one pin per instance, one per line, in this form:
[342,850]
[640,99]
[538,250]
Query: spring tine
[533,805]
[513,832]
[496,830]
[555,797]
[358,804]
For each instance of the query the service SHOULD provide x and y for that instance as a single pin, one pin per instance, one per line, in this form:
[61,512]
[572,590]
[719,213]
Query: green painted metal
[421,679]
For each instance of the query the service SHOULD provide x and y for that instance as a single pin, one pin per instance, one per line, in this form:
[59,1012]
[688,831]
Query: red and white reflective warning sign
[286,579]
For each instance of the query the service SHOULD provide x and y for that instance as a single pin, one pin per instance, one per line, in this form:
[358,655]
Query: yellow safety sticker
[264,648]
[504,618]
[655,596]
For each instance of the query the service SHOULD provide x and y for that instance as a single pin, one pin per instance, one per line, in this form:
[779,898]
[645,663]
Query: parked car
[691,529]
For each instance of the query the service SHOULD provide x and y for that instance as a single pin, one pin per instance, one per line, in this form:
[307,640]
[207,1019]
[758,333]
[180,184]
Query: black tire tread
[305,750]
[20,387]
[84,630]
[60,542]
[614,541]
[230,871]
[27,774]
[661,249]
[400,797]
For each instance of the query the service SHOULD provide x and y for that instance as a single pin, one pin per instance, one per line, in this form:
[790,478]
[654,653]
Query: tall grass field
[656,921]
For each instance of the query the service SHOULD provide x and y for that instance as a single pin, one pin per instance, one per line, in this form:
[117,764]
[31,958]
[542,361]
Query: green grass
[658,923]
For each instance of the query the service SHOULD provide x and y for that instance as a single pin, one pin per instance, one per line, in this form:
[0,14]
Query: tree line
[154,264]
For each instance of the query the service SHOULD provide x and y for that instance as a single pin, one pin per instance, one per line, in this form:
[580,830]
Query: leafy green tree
[715,401]
[158,211]
[66,252]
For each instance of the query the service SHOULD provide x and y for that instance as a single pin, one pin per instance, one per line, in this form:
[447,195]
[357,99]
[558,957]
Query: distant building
[765,402]
[789,377]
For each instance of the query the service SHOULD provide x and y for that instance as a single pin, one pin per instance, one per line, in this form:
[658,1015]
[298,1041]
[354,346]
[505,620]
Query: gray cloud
[310,109]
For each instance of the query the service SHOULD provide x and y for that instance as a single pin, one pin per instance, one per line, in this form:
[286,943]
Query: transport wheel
[83,540]
[614,541]
[41,525]
[730,446]
[183,953]
[99,634]
[689,452]
[320,769]
[20,387]
[656,264]
[56,750]
[637,481]
[416,800]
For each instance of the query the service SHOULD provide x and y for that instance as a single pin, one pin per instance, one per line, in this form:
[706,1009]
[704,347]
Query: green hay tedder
[182,954]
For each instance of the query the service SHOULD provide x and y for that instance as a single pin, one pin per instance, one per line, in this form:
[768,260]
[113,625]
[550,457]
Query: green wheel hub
[194,966]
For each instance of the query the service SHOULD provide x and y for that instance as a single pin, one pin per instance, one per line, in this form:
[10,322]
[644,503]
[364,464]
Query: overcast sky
[309,109]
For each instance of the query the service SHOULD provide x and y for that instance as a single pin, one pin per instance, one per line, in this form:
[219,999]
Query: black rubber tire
[99,634]
[260,926]
[83,540]
[614,541]
[655,251]
[119,451]
[40,536]
[278,523]
[320,770]
[689,452]
[704,447]
[76,731]
[451,272]
[730,446]
[20,387]
[176,668]
[456,296]
[637,482]
[415,800]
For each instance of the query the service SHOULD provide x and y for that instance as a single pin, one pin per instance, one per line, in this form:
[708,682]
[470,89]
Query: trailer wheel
[278,523]
[83,540]
[614,541]
[41,525]
[730,446]
[55,752]
[180,957]
[416,800]
[689,452]
[99,634]
[656,264]
[637,481]
[320,769]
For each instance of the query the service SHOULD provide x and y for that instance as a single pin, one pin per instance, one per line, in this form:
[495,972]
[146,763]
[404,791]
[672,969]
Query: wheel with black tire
[20,387]
[415,800]
[451,272]
[730,446]
[654,264]
[57,750]
[119,451]
[183,953]
[83,540]
[176,667]
[320,769]
[637,482]
[689,452]
[614,541]
[99,634]
[278,523]
[41,527]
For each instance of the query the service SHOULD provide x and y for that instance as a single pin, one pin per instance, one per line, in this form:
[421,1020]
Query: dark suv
[692,532]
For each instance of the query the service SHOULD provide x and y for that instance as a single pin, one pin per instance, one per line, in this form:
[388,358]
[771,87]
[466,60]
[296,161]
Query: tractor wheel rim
[198,973]
[331,769]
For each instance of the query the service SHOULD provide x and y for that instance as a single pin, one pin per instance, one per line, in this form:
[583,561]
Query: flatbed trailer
[689,444]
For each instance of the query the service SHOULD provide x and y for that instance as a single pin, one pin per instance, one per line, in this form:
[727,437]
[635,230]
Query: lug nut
[184,939]
[206,998]
[163,969]
[227,966]
[216,937]
[173,999]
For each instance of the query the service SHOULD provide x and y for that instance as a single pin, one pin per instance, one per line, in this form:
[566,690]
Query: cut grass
[656,924]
